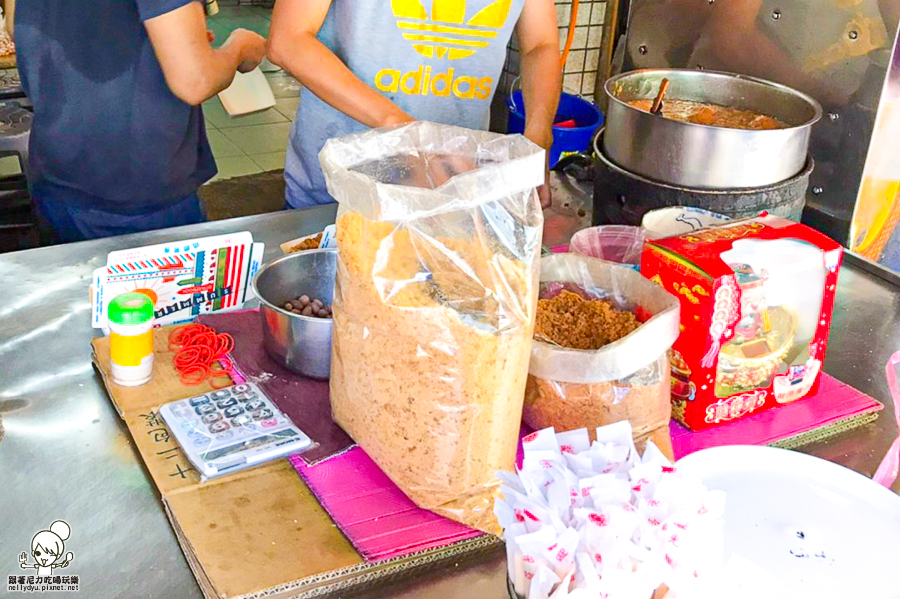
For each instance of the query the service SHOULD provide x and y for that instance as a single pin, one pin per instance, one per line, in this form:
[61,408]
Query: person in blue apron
[377,63]
[118,143]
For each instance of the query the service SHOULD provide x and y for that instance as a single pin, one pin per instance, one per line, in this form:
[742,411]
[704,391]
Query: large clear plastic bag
[439,237]
[628,379]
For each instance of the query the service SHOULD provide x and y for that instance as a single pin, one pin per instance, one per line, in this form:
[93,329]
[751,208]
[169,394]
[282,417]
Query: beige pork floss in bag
[625,380]
[439,236]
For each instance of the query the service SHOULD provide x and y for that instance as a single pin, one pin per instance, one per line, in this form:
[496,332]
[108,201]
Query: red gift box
[756,301]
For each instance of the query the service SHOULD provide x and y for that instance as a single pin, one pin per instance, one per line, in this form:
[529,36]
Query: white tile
[591,60]
[260,117]
[587,84]
[595,37]
[287,106]
[572,83]
[584,14]
[575,61]
[283,85]
[235,166]
[260,139]
[563,11]
[222,147]
[214,112]
[598,13]
[581,38]
[270,161]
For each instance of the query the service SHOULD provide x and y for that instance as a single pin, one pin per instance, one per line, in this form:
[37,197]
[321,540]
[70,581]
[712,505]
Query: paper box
[756,301]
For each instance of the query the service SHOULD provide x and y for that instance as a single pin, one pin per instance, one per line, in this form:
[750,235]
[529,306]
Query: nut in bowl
[298,341]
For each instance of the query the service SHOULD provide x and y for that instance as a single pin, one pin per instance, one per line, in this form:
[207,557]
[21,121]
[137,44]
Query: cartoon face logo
[446,32]
[47,549]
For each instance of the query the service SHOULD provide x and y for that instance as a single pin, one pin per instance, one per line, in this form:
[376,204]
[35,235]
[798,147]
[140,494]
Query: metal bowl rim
[808,167]
[271,264]
[817,108]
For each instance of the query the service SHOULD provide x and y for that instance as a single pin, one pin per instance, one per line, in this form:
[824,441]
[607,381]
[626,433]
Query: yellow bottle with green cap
[131,339]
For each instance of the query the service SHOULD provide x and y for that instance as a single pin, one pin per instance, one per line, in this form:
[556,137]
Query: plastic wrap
[439,235]
[625,380]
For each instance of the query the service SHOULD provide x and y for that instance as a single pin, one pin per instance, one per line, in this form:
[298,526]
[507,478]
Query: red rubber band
[202,373]
[187,357]
[205,354]
[201,354]
[228,383]
[225,343]
[176,334]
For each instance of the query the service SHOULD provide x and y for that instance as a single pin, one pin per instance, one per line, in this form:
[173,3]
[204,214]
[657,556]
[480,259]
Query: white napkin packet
[598,520]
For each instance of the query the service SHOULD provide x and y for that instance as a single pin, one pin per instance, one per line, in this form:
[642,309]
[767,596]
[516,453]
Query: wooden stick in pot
[656,107]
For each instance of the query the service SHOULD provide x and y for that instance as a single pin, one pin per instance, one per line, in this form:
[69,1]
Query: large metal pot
[301,343]
[702,156]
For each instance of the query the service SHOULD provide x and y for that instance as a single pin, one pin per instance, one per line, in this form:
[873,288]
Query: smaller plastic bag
[614,243]
[628,379]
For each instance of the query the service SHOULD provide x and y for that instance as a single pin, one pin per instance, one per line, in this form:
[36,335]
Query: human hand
[430,171]
[544,138]
[252,48]
[544,193]
[395,118]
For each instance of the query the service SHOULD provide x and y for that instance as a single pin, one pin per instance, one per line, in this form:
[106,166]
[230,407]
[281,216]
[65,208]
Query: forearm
[541,87]
[315,66]
[194,70]
[220,68]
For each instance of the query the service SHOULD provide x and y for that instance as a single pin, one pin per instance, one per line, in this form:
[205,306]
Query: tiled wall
[581,68]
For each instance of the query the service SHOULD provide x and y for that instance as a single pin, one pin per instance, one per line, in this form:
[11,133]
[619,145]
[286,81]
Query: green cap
[131,309]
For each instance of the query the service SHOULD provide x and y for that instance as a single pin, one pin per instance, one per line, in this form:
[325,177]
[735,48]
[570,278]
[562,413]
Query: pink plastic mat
[382,523]
[372,512]
[835,402]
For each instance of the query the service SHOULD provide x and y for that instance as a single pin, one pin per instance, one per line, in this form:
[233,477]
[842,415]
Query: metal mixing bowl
[301,343]
[701,156]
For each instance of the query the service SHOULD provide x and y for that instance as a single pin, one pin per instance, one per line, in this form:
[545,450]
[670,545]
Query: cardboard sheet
[255,533]
[245,533]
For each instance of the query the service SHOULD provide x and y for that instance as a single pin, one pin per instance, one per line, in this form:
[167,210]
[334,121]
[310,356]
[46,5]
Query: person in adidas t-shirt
[376,63]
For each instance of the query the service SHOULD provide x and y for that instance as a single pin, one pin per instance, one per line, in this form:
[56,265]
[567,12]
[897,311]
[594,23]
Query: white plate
[820,529]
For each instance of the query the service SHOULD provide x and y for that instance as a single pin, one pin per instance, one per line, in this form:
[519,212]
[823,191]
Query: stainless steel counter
[66,455]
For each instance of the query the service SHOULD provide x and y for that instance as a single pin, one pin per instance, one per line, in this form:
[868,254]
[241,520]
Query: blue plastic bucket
[587,117]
